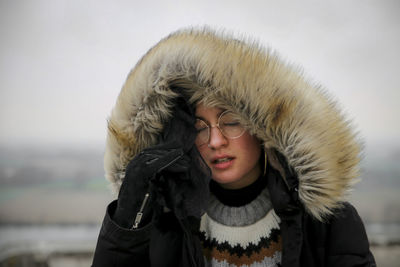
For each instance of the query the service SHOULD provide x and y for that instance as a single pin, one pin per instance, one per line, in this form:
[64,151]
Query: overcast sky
[63,62]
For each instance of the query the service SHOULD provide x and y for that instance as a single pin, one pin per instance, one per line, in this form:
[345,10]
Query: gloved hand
[171,172]
[134,193]
[183,192]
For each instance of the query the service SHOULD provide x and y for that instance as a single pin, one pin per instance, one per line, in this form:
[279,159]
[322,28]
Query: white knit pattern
[239,235]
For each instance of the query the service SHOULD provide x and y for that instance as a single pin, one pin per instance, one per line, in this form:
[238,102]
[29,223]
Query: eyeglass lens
[227,124]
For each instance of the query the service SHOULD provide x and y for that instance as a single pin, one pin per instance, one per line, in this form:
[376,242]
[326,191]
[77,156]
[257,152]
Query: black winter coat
[307,242]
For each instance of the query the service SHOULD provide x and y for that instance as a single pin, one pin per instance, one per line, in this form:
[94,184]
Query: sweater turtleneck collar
[238,197]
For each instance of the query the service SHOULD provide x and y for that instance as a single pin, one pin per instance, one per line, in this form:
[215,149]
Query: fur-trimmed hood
[272,98]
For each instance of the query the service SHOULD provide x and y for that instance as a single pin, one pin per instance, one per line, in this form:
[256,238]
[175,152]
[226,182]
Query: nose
[217,139]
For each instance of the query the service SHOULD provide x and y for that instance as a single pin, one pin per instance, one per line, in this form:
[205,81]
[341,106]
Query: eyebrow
[203,119]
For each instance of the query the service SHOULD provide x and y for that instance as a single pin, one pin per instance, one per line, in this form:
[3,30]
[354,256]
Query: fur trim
[271,97]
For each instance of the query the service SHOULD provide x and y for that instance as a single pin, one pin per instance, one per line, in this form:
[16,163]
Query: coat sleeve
[121,247]
[348,244]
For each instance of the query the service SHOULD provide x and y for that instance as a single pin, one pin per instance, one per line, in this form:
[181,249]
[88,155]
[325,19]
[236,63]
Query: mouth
[222,160]
[222,163]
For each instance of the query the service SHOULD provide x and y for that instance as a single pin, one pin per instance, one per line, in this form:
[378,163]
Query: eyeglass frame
[209,128]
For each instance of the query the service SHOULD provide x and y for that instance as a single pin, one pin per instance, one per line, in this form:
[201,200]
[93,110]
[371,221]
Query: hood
[272,99]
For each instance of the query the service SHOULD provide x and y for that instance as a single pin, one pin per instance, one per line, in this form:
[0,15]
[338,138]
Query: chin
[225,180]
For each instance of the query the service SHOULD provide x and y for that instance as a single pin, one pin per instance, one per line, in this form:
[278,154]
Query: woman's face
[234,162]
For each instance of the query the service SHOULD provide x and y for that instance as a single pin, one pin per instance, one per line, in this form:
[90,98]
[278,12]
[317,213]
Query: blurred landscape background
[63,62]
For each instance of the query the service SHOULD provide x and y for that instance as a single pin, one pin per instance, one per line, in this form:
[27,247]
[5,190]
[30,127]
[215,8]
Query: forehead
[207,111]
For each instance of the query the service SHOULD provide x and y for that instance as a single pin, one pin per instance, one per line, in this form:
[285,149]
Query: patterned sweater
[241,235]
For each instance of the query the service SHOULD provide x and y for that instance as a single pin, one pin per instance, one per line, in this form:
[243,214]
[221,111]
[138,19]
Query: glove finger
[163,145]
[151,161]
[181,165]
[162,159]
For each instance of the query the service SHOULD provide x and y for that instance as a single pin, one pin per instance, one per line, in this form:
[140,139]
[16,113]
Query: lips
[222,162]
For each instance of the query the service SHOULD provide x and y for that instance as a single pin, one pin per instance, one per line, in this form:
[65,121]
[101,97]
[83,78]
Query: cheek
[203,152]
[251,148]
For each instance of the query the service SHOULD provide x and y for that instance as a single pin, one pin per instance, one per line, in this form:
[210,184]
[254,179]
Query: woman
[223,155]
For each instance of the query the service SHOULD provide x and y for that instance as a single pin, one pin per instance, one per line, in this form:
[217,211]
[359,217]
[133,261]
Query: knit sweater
[241,235]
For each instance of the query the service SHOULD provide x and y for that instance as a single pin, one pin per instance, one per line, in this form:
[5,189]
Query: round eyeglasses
[227,124]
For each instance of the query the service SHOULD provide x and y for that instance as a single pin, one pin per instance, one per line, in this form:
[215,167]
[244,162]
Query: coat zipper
[139,215]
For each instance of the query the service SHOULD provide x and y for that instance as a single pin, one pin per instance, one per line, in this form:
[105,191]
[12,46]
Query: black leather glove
[134,194]
[170,174]
[183,192]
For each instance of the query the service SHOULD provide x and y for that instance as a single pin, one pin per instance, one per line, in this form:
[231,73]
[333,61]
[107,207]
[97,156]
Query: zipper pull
[139,215]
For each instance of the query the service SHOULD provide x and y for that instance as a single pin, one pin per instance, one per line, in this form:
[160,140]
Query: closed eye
[234,123]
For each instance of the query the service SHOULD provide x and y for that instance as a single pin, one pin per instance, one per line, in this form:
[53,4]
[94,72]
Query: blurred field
[50,204]
[386,256]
